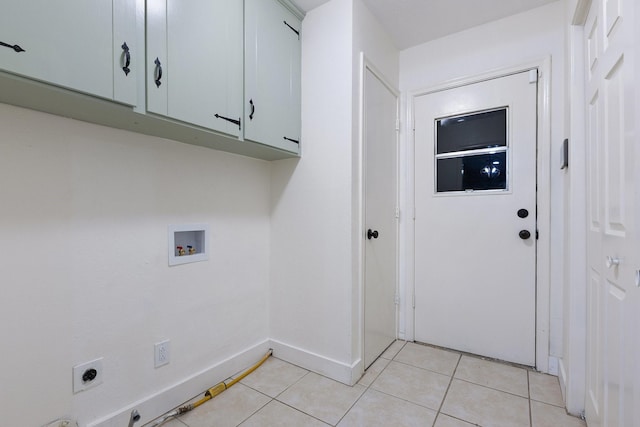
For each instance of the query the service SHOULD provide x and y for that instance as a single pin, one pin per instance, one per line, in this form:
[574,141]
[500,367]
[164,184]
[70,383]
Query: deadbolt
[523,213]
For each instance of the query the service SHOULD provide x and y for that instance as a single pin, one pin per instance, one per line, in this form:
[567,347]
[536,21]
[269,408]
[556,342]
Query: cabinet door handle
[234,121]
[253,109]
[15,47]
[158,72]
[127,59]
[292,140]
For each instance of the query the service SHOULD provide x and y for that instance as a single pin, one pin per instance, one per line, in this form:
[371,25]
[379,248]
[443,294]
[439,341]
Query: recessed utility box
[188,243]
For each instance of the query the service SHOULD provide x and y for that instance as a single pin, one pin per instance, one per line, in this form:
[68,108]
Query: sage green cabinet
[272,75]
[75,44]
[194,62]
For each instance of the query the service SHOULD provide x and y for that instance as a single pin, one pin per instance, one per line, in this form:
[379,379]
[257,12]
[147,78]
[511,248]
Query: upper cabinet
[272,75]
[82,45]
[194,62]
[223,74]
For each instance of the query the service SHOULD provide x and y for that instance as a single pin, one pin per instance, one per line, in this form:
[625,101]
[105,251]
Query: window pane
[480,172]
[472,131]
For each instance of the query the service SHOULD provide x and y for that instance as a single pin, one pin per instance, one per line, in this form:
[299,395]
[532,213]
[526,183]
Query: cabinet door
[272,75]
[199,48]
[67,43]
[156,54]
[125,52]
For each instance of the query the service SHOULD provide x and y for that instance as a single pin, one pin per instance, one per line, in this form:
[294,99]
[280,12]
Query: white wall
[315,299]
[84,274]
[311,218]
[530,36]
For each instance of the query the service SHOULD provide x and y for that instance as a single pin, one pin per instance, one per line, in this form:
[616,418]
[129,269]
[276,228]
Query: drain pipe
[210,393]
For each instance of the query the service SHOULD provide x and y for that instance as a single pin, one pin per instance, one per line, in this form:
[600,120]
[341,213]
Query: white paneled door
[475,226]
[381,224]
[613,300]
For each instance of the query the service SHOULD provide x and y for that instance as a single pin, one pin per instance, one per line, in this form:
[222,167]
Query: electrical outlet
[87,375]
[162,353]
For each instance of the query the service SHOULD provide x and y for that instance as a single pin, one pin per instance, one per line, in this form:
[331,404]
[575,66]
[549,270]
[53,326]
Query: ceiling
[412,22]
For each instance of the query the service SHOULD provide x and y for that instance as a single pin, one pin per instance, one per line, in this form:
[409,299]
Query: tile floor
[409,385]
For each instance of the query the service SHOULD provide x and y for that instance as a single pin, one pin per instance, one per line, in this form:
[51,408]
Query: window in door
[471,152]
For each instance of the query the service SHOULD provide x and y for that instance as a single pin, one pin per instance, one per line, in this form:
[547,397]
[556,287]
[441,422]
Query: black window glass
[479,172]
[472,131]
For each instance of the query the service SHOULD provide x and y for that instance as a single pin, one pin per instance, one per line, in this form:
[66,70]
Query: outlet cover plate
[79,371]
[162,352]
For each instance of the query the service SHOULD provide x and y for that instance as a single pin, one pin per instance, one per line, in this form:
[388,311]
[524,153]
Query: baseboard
[336,370]
[175,395]
[553,366]
[159,403]
[562,377]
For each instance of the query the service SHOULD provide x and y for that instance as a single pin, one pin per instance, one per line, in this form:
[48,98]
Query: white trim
[331,368]
[159,403]
[553,365]
[543,196]
[407,224]
[156,404]
[293,8]
[581,12]
[573,362]
[543,267]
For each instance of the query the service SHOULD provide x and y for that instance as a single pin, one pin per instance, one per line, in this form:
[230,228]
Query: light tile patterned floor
[409,385]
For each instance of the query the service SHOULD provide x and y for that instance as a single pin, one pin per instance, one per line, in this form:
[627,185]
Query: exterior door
[381,223]
[613,301]
[475,198]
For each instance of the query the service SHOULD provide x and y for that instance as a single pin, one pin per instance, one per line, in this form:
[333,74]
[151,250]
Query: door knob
[611,261]
[372,234]
[524,234]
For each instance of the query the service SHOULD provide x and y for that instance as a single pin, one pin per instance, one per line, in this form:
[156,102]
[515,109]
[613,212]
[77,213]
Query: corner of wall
[334,369]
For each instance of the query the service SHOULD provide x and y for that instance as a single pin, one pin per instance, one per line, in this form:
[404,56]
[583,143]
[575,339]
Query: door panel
[204,64]
[198,46]
[613,388]
[125,84]
[475,275]
[272,74]
[67,43]
[380,152]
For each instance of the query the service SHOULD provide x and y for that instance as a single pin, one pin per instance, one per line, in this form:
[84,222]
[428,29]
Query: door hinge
[397,212]
[292,29]
[413,300]
[15,47]
[396,299]
[398,125]
[537,235]
[234,121]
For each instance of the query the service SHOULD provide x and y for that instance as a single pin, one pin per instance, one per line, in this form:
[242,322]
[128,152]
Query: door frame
[366,64]
[544,362]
